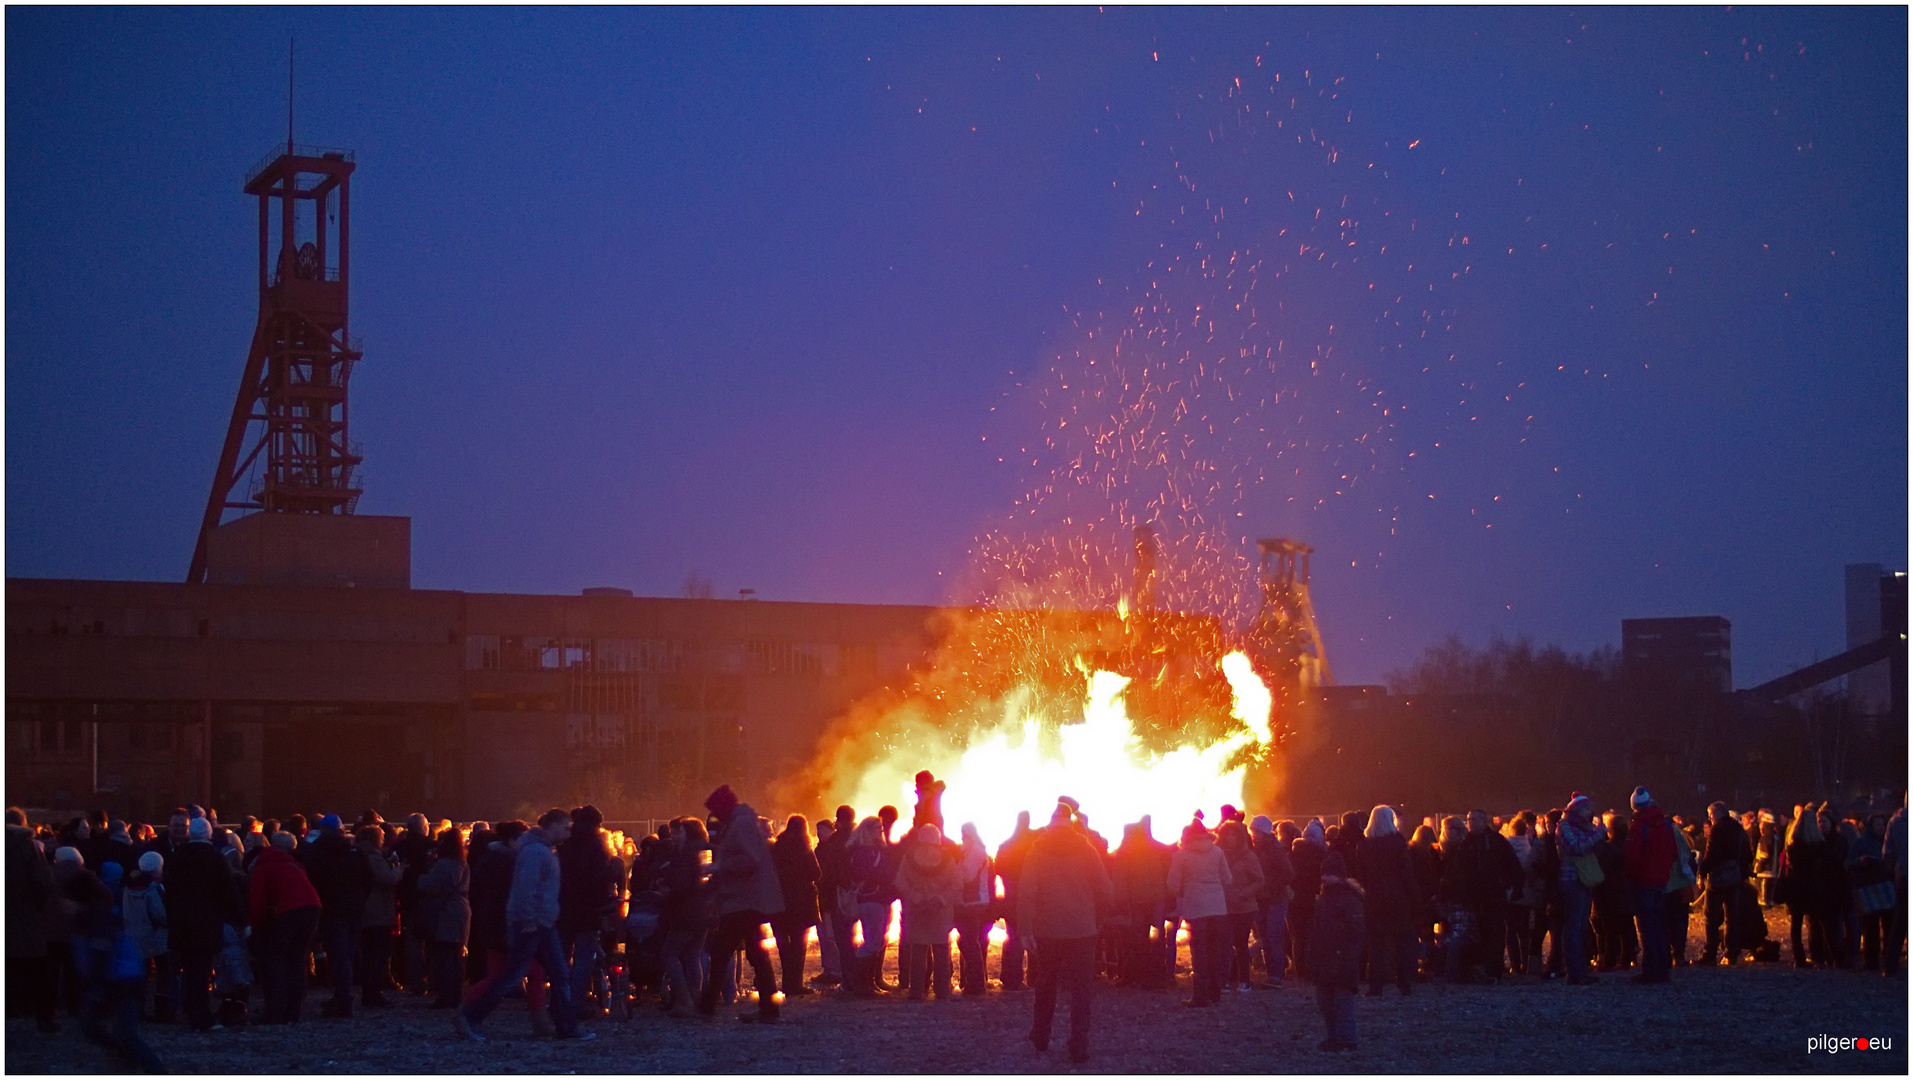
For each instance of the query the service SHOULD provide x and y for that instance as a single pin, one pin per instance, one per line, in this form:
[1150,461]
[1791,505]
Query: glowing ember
[1100,762]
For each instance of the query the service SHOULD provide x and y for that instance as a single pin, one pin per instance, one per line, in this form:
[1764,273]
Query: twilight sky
[1569,316]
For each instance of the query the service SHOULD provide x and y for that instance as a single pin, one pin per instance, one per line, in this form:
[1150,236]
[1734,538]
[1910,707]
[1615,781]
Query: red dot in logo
[1859,1044]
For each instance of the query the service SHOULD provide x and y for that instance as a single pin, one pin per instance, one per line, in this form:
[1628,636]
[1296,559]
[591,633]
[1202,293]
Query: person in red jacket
[1649,863]
[285,914]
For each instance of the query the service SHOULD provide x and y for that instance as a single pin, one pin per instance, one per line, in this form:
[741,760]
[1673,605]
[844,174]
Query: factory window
[594,732]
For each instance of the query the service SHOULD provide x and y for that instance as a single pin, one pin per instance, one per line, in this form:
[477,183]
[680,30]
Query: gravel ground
[1522,1025]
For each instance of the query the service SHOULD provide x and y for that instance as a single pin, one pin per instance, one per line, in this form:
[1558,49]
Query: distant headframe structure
[289,431]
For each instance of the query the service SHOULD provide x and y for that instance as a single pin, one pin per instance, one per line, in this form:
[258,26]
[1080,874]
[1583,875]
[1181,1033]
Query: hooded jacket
[742,870]
[1198,876]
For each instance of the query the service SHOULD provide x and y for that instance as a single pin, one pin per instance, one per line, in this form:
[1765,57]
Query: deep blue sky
[648,291]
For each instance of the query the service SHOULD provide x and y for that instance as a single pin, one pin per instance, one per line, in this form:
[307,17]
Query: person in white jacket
[1197,873]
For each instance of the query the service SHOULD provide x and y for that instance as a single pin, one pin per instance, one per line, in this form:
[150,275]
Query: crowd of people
[120,925]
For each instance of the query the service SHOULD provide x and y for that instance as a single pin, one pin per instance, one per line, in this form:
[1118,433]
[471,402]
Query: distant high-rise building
[1876,606]
[1685,656]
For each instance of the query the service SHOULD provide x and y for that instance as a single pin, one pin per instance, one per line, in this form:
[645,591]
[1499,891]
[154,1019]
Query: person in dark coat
[1064,889]
[1387,877]
[833,878]
[797,874]
[202,897]
[1424,857]
[1500,871]
[338,871]
[1009,869]
[1278,878]
[444,894]
[29,891]
[1615,936]
[1806,884]
[1724,864]
[413,849]
[929,809]
[1306,854]
[1335,952]
[285,919]
[587,899]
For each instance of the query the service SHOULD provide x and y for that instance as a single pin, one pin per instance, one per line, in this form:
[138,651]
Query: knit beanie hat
[1578,803]
[1263,825]
[151,862]
[69,854]
[111,873]
[929,834]
[330,821]
[1640,799]
[1312,832]
[199,829]
[1335,866]
[722,802]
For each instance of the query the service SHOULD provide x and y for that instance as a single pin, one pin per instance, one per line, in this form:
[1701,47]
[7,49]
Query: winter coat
[587,883]
[279,885]
[873,872]
[1425,859]
[382,880]
[1009,861]
[1807,884]
[1063,887]
[533,901]
[1243,893]
[929,894]
[797,873]
[687,892]
[143,912]
[490,887]
[1198,877]
[202,896]
[1840,883]
[1651,849]
[833,865]
[1336,935]
[1307,860]
[1140,872]
[1278,871]
[338,870]
[444,896]
[742,870]
[1726,844]
[1388,884]
[29,890]
[413,852]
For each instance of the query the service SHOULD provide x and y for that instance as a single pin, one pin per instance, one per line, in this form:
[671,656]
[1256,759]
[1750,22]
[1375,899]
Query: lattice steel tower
[290,420]
[1285,632]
